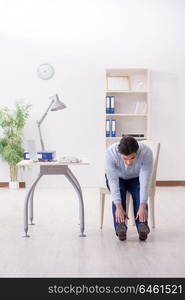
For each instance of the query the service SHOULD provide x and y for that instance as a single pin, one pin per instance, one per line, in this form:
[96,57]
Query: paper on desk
[72,159]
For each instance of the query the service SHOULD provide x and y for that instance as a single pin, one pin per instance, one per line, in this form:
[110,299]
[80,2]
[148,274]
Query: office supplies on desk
[69,159]
[41,156]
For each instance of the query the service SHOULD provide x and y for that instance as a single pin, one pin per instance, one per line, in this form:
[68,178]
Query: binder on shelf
[113,128]
[108,128]
[107,104]
[112,101]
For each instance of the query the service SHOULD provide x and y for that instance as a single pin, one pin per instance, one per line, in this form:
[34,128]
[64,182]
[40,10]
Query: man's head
[127,148]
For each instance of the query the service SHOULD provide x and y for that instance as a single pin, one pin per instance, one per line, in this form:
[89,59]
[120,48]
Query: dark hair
[128,145]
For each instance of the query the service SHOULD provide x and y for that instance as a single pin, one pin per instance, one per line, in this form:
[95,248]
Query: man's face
[129,159]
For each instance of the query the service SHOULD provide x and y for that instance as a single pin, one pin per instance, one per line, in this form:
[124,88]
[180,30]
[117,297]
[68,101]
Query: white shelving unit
[131,99]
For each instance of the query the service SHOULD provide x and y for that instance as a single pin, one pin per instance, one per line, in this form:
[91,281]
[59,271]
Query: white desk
[52,168]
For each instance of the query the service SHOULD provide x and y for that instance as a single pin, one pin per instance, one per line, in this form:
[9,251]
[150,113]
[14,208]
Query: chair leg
[130,209]
[152,211]
[127,206]
[102,205]
[132,212]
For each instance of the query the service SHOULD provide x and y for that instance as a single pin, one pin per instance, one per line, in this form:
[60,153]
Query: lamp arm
[39,123]
[44,115]
[41,139]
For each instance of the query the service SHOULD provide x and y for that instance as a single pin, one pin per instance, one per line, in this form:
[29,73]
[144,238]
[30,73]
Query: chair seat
[104,190]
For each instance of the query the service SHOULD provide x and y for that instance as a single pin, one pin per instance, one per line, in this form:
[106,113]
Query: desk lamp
[54,105]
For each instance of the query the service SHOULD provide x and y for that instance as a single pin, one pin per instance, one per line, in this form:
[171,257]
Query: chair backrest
[155,147]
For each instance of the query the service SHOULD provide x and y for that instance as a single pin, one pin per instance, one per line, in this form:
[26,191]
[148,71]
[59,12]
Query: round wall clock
[45,71]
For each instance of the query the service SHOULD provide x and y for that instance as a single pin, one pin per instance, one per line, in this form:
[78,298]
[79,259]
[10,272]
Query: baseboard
[170,183]
[158,183]
[6,184]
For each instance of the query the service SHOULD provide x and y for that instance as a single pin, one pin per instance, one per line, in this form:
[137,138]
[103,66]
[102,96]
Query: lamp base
[42,155]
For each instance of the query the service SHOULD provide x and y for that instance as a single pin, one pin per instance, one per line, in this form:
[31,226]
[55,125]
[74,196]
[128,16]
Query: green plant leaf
[12,122]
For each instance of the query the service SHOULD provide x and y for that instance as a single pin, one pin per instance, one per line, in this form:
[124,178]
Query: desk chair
[155,147]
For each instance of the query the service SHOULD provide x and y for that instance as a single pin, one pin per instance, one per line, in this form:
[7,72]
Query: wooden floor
[55,249]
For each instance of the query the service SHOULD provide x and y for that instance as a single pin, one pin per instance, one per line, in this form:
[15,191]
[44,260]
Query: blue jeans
[133,187]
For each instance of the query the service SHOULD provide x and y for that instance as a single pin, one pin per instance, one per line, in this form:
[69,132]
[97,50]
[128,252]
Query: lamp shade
[57,104]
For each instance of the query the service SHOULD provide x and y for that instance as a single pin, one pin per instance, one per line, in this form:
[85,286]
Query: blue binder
[113,128]
[112,104]
[108,128]
[108,105]
[42,155]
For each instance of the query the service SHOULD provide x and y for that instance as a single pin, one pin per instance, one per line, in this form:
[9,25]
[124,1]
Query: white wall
[81,39]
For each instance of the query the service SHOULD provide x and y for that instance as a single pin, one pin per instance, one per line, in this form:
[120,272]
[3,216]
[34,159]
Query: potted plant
[12,123]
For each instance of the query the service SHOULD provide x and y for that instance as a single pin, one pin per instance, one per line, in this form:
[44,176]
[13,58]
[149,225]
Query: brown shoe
[121,231]
[143,231]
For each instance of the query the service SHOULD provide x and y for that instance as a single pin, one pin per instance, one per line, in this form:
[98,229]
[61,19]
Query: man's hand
[120,213]
[142,213]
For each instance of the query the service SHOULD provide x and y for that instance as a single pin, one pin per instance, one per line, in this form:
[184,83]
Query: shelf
[123,71]
[126,92]
[126,115]
[120,137]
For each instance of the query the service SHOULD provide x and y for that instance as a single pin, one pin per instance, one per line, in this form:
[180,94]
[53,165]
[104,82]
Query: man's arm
[145,176]
[113,178]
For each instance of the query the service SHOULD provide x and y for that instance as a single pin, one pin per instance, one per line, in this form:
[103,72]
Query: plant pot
[13,185]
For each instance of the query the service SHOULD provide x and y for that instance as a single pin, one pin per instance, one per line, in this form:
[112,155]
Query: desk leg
[31,206]
[31,190]
[78,186]
[72,179]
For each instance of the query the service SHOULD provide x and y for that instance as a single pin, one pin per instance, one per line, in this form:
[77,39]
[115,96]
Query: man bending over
[128,168]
